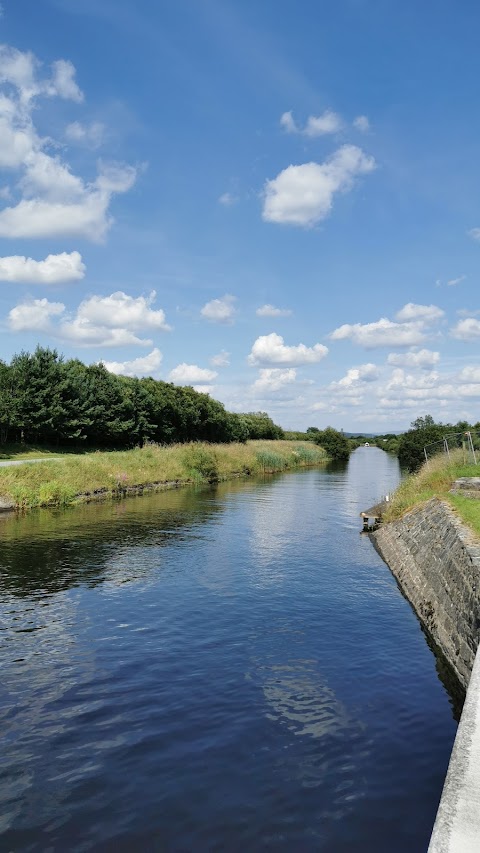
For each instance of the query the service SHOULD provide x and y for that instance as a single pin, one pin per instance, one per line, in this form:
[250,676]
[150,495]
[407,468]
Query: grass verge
[117,473]
[434,480]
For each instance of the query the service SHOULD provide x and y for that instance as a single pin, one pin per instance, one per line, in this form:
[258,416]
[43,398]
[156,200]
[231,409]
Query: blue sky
[275,202]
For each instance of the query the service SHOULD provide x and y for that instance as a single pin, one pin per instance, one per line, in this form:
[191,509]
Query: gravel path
[7,463]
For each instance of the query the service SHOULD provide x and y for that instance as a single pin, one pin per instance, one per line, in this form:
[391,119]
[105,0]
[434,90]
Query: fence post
[426,455]
[447,451]
[471,445]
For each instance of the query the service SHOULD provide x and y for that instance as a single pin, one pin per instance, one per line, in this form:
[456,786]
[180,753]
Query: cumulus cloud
[327,122]
[423,358]
[121,310]
[362,124]
[271,349]
[382,333]
[54,269]
[104,321]
[220,310]
[423,313]
[303,195]
[147,365]
[271,311]
[467,330]
[188,374]
[273,379]
[203,389]
[34,315]
[356,375]
[91,135]
[470,374]
[50,201]
[411,328]
[221,359]
[474,233]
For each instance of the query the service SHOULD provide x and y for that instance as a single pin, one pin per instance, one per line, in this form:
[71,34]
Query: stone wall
[436,561]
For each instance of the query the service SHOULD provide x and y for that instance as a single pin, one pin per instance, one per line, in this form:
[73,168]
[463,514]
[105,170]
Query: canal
[220,669]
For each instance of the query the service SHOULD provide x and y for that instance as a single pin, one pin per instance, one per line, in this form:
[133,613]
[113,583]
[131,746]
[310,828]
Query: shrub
[201,463]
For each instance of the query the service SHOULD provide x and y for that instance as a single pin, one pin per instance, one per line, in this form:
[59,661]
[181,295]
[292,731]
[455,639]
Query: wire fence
[467,443]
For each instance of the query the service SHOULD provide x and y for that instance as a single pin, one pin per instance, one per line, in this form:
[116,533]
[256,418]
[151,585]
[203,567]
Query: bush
[201,463]
[334,443]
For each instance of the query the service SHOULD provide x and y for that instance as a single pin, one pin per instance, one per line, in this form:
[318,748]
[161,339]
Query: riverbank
[435,480]
[114,474]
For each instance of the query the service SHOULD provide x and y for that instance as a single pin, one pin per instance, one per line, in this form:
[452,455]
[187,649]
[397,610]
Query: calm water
[228,669]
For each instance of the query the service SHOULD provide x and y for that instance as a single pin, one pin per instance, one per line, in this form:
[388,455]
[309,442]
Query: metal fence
[466,443]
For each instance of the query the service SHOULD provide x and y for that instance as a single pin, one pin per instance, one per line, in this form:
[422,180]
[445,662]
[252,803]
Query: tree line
[46,399]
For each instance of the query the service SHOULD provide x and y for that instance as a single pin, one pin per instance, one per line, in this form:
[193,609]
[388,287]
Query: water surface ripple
[228,668]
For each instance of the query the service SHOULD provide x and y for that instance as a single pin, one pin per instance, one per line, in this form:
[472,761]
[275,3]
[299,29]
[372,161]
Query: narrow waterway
[223,669]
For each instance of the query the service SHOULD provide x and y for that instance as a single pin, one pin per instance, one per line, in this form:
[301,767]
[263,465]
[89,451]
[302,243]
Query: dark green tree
[334,443]
[424,431]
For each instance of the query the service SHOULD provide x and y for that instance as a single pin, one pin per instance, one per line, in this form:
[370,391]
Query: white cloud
[53,201]
[119,310]
[91,135]
[382,333]
[362,124]
[454,281]
[220,310]
[271,311]
[303,195]
[467,330]
[328,122]
[106,321]
[84,333]
[34,315]
[423,313]
[63,82]
[356,375]
[274,379]
[470,374]
[271,349]
[474,233]
[187,374]
[227,199]
[288,123]
[203,389]
[54,269]
[147,365]
[68,207]
[423,358]
[221,359]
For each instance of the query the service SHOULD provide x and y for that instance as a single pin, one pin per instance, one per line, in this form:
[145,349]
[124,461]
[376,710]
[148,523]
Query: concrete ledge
[457,827]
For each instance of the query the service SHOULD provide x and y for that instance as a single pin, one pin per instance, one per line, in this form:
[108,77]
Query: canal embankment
[435,558]
[433,550]
[114,474]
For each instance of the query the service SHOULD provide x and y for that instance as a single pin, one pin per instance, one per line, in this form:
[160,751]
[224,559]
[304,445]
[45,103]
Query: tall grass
[435,479]
[116,473]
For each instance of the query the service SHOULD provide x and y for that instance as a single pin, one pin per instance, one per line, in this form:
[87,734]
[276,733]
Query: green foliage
[201,463]
[334,443]
[411,444]
[115,473]
[46,400]
[270,461]
[261,426]
[308,455]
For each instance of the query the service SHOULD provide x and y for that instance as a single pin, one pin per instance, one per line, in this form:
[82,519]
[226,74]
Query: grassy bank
[435,479]
[74,478]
